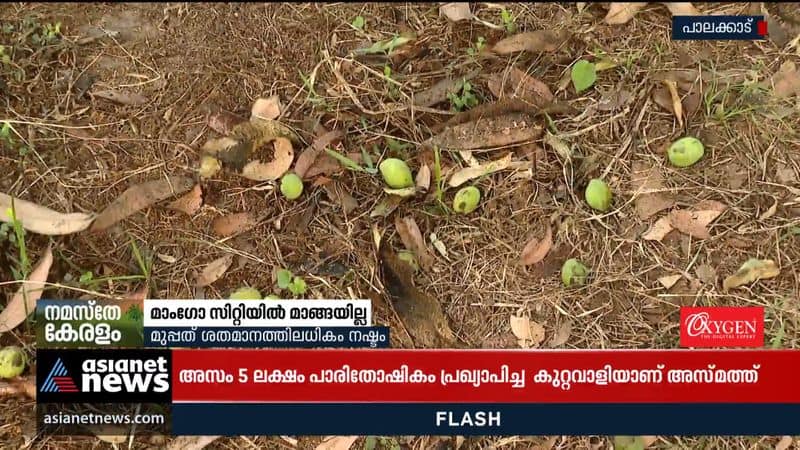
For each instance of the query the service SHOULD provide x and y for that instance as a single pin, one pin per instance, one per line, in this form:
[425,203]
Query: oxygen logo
[58,380]
[722,327]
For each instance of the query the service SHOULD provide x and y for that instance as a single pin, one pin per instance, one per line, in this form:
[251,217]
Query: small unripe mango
[466,200]
[12,362]
[685,151]
[291,186]
[246,293]
[396,173]
[598,195]
[573,272]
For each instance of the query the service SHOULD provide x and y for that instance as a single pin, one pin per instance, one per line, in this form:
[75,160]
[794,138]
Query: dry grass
[187,58]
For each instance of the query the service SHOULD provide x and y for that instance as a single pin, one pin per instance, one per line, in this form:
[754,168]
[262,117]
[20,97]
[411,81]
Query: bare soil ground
[74,151]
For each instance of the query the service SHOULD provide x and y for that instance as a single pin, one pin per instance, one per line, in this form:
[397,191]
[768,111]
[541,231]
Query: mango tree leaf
[584,74]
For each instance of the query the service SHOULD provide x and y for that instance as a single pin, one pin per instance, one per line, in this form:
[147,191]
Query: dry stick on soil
[632,131]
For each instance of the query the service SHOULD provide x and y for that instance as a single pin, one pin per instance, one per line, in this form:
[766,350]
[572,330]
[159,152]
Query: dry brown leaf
[386,206]
[191,442]
[530,334]
[337,443]
[619,13]
[223,121]
[614,100]
[441,90]
[488,132]
[706,274]
[17,386]
[423,180]
[669,280]
[784,443]
[786,82]
[259,171]
[140,196]
[189,202]
[647,441]
[337,193]
[562,334]
[536,249]
[515,83]
[470,173]
[769,212]
[752,270]
[412,239]
[649,178]
[266,108]
[559,145]
[233,223]
[658,230]
[662,97]
[695,221]
[456,12]
[24,300]
[532,41]
[41,220]
[677,107]
[682,9]
[307,158]
[123,98]
[214,271]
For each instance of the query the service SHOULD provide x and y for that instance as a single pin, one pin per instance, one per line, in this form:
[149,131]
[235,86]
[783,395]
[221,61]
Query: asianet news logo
[92,376]
[722,327]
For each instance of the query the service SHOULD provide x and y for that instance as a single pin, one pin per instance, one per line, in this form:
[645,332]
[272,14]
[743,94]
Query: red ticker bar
[486,376]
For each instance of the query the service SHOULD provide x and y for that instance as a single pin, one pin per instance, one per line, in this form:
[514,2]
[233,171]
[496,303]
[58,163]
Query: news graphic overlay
[81,391]
[89,323]
[722,326]
[485,392]
[718,28]
[261,324]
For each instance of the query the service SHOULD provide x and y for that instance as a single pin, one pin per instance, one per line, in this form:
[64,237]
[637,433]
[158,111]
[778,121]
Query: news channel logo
[107,376]
[718,28]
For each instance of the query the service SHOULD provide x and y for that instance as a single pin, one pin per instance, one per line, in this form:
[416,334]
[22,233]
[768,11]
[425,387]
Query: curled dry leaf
[24,300]
[234,223]
[412,239]
[191,442]
[214,271]
[619,13]
[123,98]
[456,12]
[536,249]
[559,145]
[752,270]
[658,230]
[246,139]
[784,443]
[337,443]
[488,132]
[530,334]
[516,83]
[140,196]
[41,220]
[189,202]
[533,41]
[273,170]
[682,9]
[649,178]
[677,106]
[669,280]
[786,82]
[470,173]
[402,192]
[695,221]
[266,108]
[423,179]
[706,274]
[307,158]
